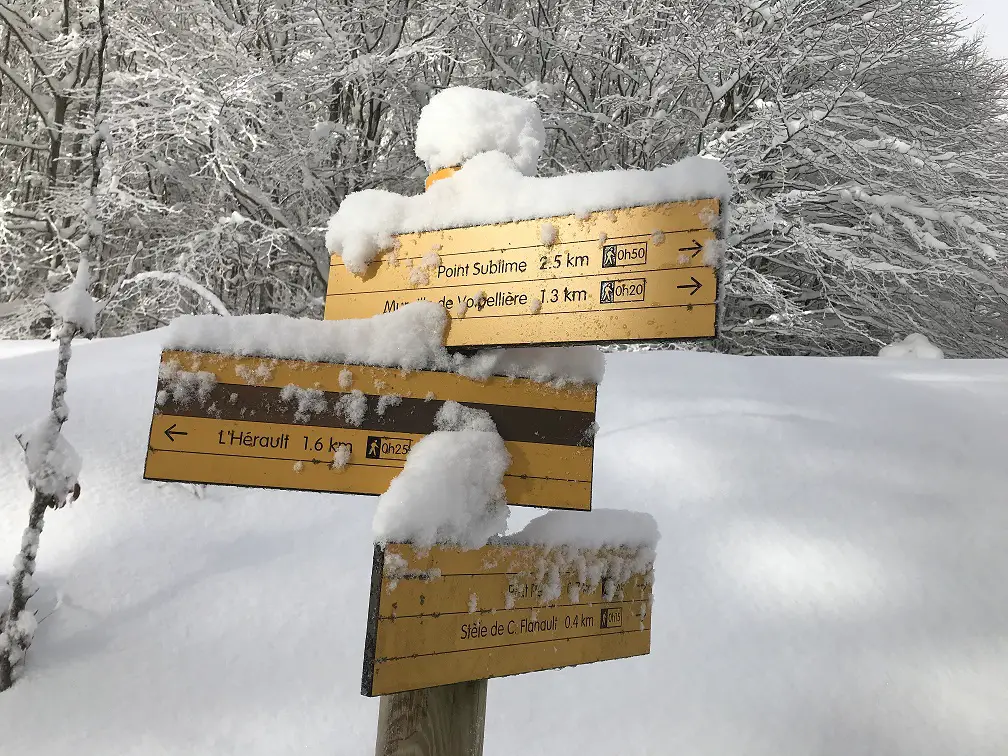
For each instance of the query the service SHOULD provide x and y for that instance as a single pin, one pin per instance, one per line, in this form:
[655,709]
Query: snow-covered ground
[28,346]
[831,577]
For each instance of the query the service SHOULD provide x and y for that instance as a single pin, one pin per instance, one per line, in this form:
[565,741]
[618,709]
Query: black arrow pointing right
[696,248]
[171,433]
[696,285]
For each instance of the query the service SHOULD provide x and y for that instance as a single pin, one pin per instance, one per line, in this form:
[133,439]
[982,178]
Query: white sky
[993,19]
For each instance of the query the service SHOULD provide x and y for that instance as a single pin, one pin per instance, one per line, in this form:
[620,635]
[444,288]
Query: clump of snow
[30,542]
[353,407]
[604,547]
[74,305]
[357,237]
[411,338]
[27,623]
[460,417]
[420,275]
[914,345]
[461,122]
[17,635]
[387,400]
[490,188]
[309,401]
[714,252]
[394,565]
[600,528]
[451,488]
[256,376]
[341,457]
[53,464]
[548,233]
[657,237]
[184,386]
[556,365]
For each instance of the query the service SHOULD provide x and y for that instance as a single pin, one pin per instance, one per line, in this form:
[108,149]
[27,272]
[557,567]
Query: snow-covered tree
[864,136]
[867,138]
[228,132]
[50,66]
[52,468]
[871,191]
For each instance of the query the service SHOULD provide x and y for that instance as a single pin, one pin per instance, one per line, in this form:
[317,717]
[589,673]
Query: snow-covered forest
[195,149]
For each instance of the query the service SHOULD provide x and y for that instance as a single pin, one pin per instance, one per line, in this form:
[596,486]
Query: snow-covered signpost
[512,260]
[612,256]
[566,590]
[325,422]
[378,405]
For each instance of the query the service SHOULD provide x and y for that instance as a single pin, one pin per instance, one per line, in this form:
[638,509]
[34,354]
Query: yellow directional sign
[347,428]
[445,615]
[622,275]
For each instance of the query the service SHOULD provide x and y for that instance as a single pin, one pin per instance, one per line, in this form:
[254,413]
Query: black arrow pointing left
[696,285]
[171,433]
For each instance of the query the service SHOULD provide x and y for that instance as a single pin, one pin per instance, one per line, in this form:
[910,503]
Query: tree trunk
[14,640]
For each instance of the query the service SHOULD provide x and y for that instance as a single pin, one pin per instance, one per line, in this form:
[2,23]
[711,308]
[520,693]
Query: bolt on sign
[447,615]
[620,275]
[347,428]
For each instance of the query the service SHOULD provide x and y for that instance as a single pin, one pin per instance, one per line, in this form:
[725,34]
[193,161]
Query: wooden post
[443,721]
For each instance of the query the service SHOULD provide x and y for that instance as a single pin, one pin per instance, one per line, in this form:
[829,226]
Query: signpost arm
[443,721]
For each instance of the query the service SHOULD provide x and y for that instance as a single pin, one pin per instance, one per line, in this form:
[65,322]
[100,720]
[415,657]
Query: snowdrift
[830,580]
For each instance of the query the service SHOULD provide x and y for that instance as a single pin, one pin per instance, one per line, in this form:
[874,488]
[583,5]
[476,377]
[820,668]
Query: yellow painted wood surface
[446,615]
[244,433]
[620,275]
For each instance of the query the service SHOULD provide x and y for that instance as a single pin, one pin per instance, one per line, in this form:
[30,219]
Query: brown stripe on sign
[264,404]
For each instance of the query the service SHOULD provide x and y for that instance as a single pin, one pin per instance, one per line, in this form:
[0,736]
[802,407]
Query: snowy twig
[177,278]
[53,466]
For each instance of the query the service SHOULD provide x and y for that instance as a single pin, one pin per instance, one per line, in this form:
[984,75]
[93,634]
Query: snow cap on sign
[600,528]
[461,122]
[490,188]
[411,338]
[604,546]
